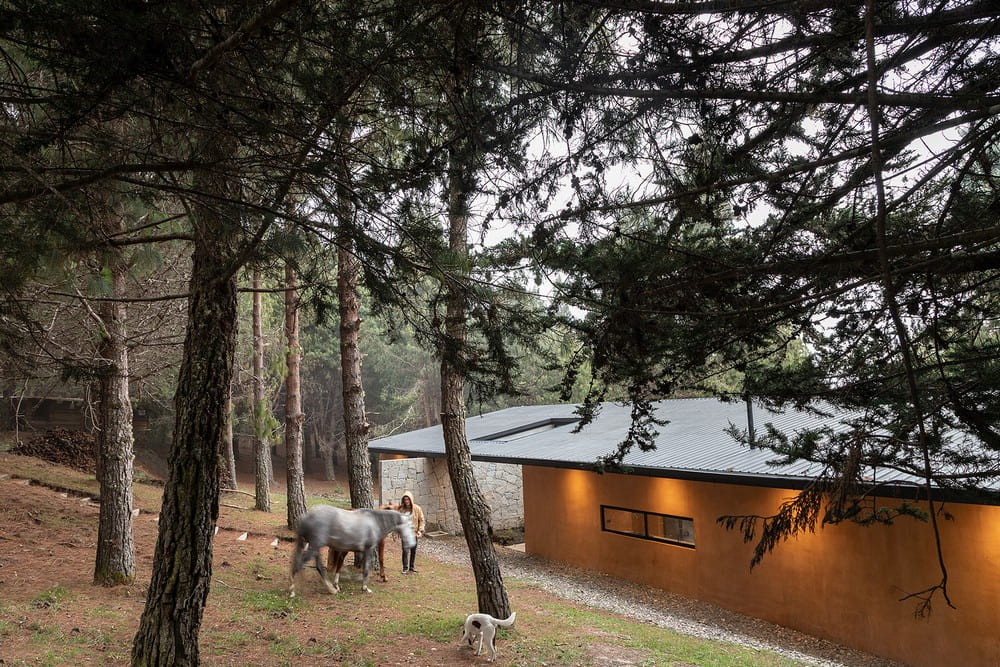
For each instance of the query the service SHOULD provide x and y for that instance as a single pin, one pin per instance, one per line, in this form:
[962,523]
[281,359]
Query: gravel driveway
[666,610]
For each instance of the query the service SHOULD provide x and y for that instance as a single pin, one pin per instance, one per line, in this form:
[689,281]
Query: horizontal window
[648,525]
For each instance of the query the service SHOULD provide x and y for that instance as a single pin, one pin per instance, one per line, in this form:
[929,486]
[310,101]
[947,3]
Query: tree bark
[263,469]
[472,507]
[182,562]
[326,455]
[294,474]
[227,472]
[431,401]
[115,560]
[425,401]
[359,469]
[336,428]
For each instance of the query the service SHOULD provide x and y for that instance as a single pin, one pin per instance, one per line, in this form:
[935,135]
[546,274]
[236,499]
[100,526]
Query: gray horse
[345,530]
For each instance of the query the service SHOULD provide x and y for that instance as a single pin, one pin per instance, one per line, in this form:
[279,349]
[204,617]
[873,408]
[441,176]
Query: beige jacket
[417,514]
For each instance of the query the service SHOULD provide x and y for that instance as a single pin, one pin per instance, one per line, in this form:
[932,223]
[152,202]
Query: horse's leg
[335,563]
[331,559]
[365,564]
[318,559]
[381,560]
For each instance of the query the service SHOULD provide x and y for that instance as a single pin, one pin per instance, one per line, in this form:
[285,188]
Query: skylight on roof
[527,430]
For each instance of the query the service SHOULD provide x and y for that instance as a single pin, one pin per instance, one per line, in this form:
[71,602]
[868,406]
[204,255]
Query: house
[657,525]
[40,413]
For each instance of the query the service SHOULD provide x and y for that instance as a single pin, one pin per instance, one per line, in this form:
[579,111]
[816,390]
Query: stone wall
[427,479]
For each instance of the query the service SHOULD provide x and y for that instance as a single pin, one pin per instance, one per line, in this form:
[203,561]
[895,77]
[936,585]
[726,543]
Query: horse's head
[404,526]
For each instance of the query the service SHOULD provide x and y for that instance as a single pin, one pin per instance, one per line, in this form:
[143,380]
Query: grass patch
[107,613]
[361,637]
[55,647]
[51,598]
[222,643]
[50,474]
[427,624]
[97,639]
[659,645]
[7,610]
[286,649]
[258,569]
[313,501]
[275,604]
[51,657]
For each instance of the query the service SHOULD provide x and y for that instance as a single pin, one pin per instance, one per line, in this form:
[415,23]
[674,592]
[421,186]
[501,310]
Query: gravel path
[666,610]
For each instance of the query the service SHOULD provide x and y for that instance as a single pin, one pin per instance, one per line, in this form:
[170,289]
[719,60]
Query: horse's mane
[386,519]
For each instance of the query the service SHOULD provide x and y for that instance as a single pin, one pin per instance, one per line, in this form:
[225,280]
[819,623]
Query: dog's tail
[507,622]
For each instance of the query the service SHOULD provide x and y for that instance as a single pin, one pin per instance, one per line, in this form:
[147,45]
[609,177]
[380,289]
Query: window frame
[645,525]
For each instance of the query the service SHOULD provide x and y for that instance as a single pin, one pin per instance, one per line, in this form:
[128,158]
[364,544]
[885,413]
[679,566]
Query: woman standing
[407,506]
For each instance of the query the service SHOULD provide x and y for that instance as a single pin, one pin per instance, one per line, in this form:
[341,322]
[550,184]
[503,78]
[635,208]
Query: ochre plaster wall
[842,582]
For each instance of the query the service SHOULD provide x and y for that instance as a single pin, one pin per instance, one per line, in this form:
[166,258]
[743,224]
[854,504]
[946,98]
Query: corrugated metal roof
[693,445]
[694,440]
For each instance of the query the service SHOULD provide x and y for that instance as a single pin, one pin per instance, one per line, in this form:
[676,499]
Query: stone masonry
[427,479]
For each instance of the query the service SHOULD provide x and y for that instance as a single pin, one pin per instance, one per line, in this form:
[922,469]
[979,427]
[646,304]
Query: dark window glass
[648,525]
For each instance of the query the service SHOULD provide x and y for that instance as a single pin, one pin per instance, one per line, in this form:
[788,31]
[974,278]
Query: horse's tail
[507,622]
[300,545]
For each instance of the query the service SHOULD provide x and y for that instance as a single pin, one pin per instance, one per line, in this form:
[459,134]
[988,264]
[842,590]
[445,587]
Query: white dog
[483,627]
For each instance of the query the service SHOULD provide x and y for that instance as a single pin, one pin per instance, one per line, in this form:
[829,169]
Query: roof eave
[794,482]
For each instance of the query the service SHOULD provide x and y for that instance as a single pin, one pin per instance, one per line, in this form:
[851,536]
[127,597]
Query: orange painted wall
[842,582]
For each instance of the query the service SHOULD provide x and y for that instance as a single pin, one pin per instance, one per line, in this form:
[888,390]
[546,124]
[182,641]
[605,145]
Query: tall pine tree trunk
[293,403]
[182,562]
[355,422]
[335,427]
[115,561]
[263,469]
[325,441]
[227,472]
[472,507]
[359,468]
[425,401]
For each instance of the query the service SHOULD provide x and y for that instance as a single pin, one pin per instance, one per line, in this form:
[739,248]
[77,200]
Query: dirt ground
[47,546]
[51,613]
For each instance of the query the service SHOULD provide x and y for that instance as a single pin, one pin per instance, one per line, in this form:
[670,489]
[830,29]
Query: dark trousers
[409,557]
